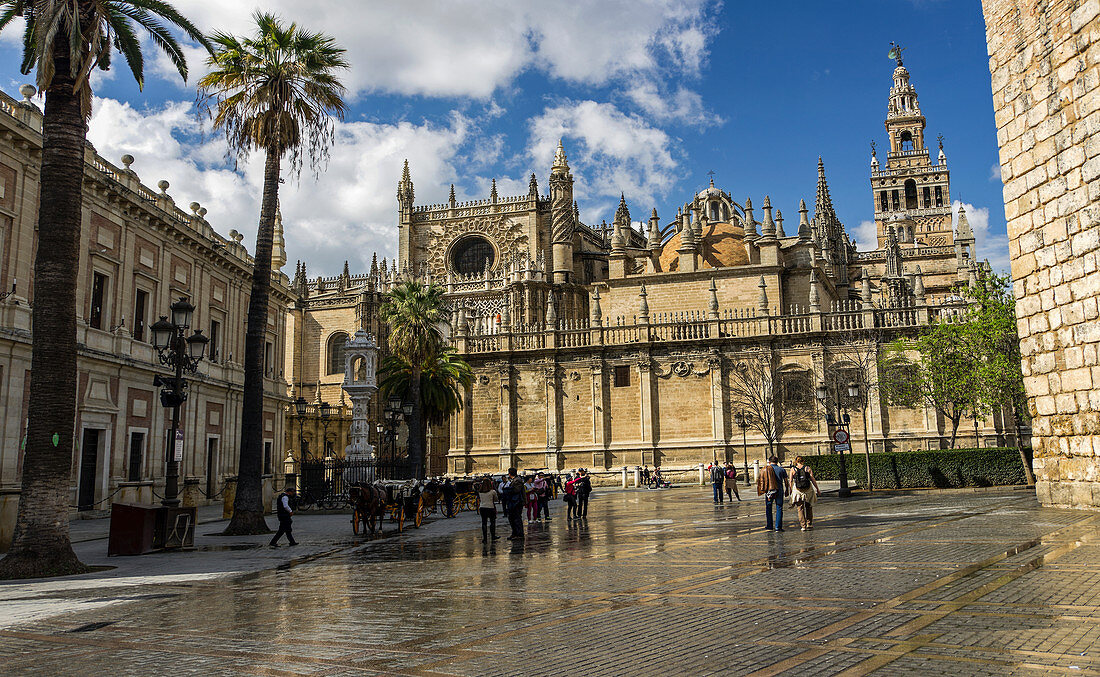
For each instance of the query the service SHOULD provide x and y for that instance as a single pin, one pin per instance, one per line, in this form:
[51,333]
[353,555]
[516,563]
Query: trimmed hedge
[944,469]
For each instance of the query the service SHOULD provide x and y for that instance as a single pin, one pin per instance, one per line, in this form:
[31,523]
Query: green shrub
[948,468]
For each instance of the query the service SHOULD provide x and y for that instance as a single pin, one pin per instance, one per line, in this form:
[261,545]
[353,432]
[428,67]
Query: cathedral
[617,345]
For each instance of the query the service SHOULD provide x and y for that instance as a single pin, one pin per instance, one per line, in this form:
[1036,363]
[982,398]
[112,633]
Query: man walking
[584,490]
[512,494]
[717,477]
[773,484]
[284,513]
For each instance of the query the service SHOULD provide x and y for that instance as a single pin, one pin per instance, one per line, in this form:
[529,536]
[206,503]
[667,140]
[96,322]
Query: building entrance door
[89,455]
[211,465]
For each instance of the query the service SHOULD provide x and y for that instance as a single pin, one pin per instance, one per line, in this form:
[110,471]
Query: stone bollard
[190,496]
[756,471]
[229,494]
[624,477]
[702,475]
[637,477]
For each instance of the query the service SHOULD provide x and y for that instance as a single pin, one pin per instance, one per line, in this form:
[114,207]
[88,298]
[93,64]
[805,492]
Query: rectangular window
[137,453]
[622,376]
[141,302]
[939,196]
[884,201]
[212,348]
[267,457]
[268,366]
[99,293]
[927,197]
[895,200]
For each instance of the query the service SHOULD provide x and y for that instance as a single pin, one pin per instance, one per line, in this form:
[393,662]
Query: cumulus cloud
[995,173]
[866,236]
[988,244]
[348,212]
[681,105]
[610,152]
[471,48]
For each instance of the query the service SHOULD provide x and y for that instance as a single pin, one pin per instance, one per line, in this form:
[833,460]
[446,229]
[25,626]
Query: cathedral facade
[602,346]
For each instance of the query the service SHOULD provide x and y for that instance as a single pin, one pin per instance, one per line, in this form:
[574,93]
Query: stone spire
[767,227]
[596,311]
[823,206]
[622,214]
[762,304]
[712,304]
[533,187]
[893,253]
[865,291]
[779,224]
[278,248]
[493,192]
[654,238]
[374,265]
[963,231]
[805,233]
[562,220]
[643,304]
[750,222]
[559,158]
[405,193]
[815,299]
[451,197]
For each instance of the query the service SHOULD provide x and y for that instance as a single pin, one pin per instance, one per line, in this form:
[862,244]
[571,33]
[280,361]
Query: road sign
[840,436]
[178,455]
[841,447]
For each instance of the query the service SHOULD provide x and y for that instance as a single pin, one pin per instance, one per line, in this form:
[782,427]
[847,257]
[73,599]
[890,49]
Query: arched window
[796,388]
[336,352]
[472,255]
[906,140]
[910,194]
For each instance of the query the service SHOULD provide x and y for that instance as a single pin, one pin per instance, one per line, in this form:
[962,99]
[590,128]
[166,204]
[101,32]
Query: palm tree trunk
[416,427]
[41,546]
[248,508]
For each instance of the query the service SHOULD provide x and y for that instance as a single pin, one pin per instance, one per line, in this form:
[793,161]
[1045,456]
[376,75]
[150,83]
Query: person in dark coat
[284,512]
[584,490]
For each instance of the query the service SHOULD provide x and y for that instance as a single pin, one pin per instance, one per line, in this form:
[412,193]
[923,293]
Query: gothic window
[906,141]
[472,255]
[884,201]
[910,194]
[927,197]
[336,352]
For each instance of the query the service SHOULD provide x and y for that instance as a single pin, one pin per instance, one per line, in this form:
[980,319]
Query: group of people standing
[515,492]
[775,483]
[724,476]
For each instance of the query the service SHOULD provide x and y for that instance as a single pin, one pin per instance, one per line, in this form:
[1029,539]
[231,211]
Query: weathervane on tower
[895,52]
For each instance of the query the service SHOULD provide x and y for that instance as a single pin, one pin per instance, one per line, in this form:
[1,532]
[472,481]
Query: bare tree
[853,357]
[777,402]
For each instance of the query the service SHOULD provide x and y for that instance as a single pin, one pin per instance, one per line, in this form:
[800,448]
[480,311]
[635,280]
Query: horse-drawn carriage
[373,501]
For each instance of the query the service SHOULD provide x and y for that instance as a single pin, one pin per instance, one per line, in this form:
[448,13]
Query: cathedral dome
[721,245]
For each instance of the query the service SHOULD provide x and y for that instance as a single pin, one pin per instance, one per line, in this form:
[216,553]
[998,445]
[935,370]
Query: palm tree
[274,92]
[414,313]
[63,41]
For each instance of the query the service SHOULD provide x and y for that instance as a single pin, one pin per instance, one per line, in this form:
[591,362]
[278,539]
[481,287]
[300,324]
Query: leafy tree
[942,375]
[63,41]
[444,378]
[757,387]
[275,92]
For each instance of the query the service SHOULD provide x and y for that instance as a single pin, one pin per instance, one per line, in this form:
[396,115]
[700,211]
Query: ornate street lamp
[744,421]
[326,413]
[300,410]
[182,354]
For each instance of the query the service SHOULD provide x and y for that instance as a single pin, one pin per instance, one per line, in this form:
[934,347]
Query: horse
[370,503]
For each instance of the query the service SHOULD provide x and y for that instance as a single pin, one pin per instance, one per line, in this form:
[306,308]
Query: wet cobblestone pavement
[651,583]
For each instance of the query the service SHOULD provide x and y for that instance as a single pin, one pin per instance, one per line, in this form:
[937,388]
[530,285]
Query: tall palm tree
[444,377]
[414,313]
[63,41]
[274,92]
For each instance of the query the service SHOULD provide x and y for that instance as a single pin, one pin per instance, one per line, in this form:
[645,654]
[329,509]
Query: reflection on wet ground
[650,582]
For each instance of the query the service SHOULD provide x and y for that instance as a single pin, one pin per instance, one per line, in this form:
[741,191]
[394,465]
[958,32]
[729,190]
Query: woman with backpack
[804,493]
[731,482]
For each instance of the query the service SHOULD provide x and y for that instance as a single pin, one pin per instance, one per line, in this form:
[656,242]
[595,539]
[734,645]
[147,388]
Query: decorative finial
[895,52]
[560,161]
[127,160]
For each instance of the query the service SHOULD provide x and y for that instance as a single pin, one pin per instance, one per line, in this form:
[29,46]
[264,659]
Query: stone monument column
[360,383]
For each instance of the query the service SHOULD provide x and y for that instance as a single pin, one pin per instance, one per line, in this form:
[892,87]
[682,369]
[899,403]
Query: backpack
[802,478]
[731,474]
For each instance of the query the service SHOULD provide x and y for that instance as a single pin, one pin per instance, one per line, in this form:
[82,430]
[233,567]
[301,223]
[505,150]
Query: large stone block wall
[1044,59]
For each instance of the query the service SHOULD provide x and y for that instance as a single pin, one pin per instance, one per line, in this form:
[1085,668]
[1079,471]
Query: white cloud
[682,105]
[987,245]
[866,236]
[609,152]
[995,173]
[349,212]
[472,48]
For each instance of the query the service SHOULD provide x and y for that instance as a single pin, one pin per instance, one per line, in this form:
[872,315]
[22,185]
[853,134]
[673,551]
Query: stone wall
[1045,68]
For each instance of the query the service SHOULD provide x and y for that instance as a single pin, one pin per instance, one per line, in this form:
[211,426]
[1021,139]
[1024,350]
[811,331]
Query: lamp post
[743,421]
[300,410]
[392,414]
[326,414]
[182,354]
[841,421]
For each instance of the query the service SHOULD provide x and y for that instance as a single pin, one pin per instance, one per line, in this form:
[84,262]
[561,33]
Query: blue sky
[649,96]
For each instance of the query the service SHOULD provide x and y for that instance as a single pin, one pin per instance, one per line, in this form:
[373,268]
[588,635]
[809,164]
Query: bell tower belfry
[911,193]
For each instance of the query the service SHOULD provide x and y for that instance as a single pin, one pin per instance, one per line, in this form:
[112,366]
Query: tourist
[645,476]
[773,484]
[530,499]
[487,508]
[657,481]
[731,482]
[450,495]
[717,477]
[584,490]
[542,495]
[804,493]
[284,512]
[570,496]
[511,496]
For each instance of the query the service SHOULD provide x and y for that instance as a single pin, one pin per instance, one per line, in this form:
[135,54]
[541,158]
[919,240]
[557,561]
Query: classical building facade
[1044,58]
[139,252]
[604,346]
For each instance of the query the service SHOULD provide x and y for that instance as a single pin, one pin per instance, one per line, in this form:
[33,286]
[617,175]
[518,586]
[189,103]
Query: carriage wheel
[450,508]
[475,502]
[399,516]
[418,515]
[357,518]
